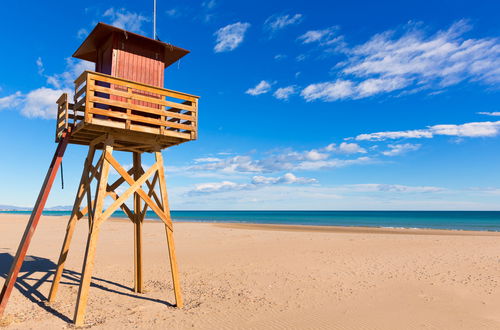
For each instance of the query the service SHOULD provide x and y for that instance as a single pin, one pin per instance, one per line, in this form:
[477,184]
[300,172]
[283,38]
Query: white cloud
[209,4]
[174,12]
[328,91]
[301,58]
[315,155]
[473,129]
[74,68]
[207,160]
[279,57]
[351,148]
[494,114]
[399,149]
[345,148]
[287,178]
[261,88]
[10,101]
[342,89]
[126,20]
[214,187]
[278,22]
[377,187]
[230,36]
[257,182]
[39,64]
[411,61]
[273,162]
[284,93]
[41,103]
[82,33]
[331,163]
[323,37]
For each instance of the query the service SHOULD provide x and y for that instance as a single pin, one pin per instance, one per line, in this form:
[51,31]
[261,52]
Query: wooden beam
[88,263]
[141,192]
[33,222]
[134,186]
[71,224]
[170,236]
[137,226]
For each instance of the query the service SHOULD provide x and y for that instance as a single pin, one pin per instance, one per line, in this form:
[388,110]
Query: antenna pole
[154,19]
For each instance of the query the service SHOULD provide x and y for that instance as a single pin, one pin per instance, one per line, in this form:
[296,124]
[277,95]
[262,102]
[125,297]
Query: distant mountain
[14,208]
[59,208]
[21,208]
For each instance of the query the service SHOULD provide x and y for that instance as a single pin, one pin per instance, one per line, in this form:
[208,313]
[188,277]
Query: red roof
[88,49]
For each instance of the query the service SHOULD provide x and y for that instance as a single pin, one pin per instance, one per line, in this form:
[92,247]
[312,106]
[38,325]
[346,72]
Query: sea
[454,220]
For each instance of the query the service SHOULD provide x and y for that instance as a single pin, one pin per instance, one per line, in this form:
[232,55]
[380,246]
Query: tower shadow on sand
[37,270]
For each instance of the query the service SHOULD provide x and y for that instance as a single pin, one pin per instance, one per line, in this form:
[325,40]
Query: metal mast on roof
[154,19]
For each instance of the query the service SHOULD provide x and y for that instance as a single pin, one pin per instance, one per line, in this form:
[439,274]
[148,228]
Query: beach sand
[237,276]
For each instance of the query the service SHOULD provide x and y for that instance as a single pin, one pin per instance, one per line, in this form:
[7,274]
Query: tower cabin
[125,96]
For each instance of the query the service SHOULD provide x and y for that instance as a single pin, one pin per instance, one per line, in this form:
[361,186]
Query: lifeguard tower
[121,106]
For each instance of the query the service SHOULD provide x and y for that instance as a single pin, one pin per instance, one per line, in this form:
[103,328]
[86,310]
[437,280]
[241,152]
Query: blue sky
[304,104]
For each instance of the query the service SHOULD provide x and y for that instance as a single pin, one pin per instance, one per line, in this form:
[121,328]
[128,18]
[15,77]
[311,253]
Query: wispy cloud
[207,160]
[11,101]
[279,22]
[209,4]
[74,68]
[283,93]
[215,187]
[125,19]
[40,102]
[257,182]
[329,91]
[173,12]
[411,60]
[39,65]
[399,149]
[473,129]
[287,178]
[82,33]
[261,88]
[377,187]
[346,148]
[285,161]
[323,37]
[494,114]
[229,37]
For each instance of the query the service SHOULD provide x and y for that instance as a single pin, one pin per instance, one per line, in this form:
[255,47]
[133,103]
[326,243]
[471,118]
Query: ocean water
[457,220]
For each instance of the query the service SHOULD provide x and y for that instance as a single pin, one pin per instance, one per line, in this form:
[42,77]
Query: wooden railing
[110,101]
[62,115]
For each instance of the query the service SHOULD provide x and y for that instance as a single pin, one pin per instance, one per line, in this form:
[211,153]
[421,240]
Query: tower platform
[142,118]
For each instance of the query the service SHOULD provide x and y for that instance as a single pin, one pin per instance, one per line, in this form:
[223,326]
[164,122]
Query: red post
[33,221]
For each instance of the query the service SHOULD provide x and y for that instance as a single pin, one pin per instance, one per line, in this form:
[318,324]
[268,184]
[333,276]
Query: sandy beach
[237,276]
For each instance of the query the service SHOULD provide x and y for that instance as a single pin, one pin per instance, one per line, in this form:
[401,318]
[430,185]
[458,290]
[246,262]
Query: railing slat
[136,107]
[146,120]
[139,97]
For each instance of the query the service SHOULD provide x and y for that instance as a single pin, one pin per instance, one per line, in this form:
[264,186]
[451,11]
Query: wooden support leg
[170,236]
[88,263]
[137,227]
[71,224]
[33,222]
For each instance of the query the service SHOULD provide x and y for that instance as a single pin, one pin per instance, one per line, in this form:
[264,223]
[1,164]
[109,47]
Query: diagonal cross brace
[137,188]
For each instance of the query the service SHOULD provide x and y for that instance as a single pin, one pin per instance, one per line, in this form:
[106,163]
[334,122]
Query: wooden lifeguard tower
[121,106]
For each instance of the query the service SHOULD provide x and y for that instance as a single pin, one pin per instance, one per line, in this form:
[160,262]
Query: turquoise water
[458,220]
